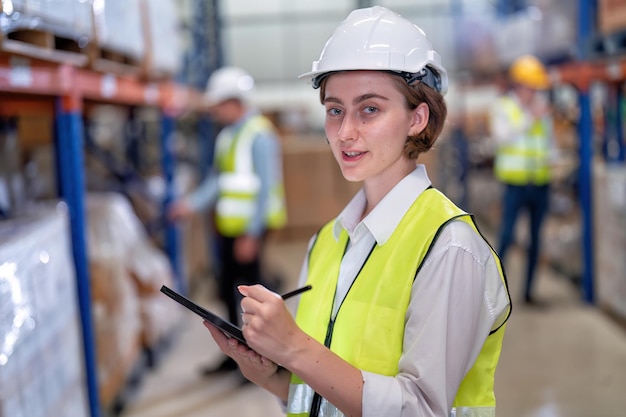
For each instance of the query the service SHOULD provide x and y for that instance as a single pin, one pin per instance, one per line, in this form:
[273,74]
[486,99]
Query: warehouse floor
[562,359]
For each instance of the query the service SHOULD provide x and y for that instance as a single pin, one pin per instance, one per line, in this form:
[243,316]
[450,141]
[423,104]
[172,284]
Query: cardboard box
[611,16]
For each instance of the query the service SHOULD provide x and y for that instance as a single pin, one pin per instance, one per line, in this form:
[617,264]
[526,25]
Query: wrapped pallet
[162,32]
[610,229]
[41,358]
[118,36]
[56,30]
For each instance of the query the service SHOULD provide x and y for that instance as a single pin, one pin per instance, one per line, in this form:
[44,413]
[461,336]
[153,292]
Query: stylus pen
[296,292]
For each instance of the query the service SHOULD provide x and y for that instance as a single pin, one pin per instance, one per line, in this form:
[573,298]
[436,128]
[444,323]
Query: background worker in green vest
[521,125]
[244,189]
[408,302]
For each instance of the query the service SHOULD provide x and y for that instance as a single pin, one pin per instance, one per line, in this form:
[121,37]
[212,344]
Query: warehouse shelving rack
[31,83]
[32,86]
[594,63]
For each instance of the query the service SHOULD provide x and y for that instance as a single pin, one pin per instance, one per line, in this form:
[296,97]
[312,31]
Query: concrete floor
[563,359]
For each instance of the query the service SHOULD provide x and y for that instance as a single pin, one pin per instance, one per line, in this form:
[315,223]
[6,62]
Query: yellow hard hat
[530,72]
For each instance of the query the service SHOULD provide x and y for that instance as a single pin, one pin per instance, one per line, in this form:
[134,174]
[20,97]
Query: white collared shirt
[456,299]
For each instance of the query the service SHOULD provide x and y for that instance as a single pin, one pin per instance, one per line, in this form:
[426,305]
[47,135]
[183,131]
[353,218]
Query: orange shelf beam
[19,106]
[583,73]
[34,78]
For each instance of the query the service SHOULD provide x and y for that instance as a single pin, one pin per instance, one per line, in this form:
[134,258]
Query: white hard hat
[228,82]
[377,38]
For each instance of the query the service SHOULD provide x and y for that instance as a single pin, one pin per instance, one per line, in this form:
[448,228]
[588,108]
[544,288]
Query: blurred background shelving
[102,124]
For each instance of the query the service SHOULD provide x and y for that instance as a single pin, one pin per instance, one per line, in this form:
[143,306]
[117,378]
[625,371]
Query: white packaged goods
[66,17]
[163,31]
[610,231]
[119,27]
[41,355]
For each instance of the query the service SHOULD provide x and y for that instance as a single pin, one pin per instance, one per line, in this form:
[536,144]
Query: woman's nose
[348,128]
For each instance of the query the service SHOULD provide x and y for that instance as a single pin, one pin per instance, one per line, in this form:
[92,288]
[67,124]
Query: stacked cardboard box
[126,271]
[611,16]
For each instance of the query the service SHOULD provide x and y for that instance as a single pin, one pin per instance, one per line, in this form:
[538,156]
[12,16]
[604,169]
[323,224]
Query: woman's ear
[419,119]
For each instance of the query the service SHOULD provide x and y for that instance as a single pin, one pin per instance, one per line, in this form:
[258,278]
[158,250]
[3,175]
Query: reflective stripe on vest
[238,183]
[368,330]
[526,160]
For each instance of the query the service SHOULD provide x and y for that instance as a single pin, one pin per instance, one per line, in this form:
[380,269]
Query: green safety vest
[239,184]
[368,330]
[524,161]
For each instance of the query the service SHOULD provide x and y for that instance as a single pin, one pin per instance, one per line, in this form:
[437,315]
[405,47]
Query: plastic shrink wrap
[164,51]
[119,28]
[41,356]
[68,18]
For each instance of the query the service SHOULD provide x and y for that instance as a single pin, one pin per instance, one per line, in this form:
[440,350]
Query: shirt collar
[385,217]
[251,112]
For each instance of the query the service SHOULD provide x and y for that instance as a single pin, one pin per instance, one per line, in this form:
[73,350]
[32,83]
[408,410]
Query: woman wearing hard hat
[407,311]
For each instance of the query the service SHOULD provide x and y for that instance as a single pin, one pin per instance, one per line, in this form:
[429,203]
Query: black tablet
[225,326]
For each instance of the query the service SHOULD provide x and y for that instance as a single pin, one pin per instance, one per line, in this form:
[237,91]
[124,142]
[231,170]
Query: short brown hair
[416,94]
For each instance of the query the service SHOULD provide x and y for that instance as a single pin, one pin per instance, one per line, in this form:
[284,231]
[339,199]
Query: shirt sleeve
[266,157]
[457,297]
[205,195]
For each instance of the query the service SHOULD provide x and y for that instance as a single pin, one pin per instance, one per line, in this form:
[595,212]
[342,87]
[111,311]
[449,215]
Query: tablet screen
[225,326]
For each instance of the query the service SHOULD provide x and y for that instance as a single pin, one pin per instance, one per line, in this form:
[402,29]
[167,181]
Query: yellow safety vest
[239,184]
[524,161]
[368,330]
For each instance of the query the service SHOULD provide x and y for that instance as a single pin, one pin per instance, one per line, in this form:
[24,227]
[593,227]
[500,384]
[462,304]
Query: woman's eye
[334,112]
[370,109]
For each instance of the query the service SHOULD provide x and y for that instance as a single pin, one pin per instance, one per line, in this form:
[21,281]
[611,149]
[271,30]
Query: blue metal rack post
[69,151]
[585,131]
[619,122]
[172,235]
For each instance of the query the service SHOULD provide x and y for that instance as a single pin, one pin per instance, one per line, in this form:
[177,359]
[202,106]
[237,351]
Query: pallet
[45,45]
[104,59]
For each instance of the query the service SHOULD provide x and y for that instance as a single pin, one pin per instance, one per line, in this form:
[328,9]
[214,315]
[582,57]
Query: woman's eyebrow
[332,100]
[368,96]
[356,100]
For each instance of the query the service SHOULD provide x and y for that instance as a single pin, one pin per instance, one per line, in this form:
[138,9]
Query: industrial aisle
[564,359]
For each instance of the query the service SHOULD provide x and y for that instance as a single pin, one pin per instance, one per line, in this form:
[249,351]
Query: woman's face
[367,125]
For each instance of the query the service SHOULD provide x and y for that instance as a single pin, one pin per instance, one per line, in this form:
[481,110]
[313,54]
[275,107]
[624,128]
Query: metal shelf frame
[30,85]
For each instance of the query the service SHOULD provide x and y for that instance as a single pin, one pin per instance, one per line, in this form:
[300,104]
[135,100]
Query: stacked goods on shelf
[610,229]
[611,16]
[126,272]
[52,30]
[140,36]
[119,43]
[11,178]
[122,37]
[162,33]
[41,357]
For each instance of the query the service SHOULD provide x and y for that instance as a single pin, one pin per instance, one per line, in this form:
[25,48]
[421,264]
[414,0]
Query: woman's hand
[269,327]
[246,248]
[252,365]
[179,210]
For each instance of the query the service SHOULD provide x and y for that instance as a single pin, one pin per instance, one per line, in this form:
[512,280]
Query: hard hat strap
[426,75]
